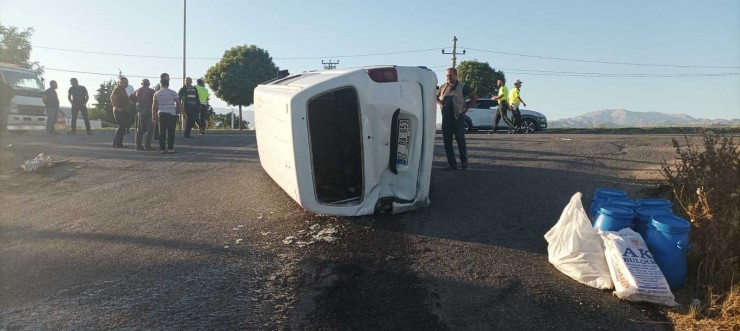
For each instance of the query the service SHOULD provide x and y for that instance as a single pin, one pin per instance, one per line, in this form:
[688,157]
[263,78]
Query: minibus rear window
[336,146]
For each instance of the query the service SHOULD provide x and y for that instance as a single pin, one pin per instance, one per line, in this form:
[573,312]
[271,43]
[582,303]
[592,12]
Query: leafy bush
[705,180]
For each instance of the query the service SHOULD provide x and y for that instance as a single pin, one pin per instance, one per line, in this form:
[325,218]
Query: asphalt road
[115,238]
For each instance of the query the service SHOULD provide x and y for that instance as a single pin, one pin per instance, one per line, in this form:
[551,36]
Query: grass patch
[704,182]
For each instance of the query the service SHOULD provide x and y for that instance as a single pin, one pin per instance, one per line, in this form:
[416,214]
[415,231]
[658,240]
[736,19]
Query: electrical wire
[97,73]
[601,62]
[216,58]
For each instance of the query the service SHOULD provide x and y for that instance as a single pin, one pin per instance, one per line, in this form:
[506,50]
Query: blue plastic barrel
[614,218]
[624,202]
[644,215]
[652,202]
[601,195]
[668,240]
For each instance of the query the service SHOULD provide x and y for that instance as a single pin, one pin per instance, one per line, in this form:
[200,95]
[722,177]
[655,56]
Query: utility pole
[184,39]
[329,65]
[184,31]
[454,51]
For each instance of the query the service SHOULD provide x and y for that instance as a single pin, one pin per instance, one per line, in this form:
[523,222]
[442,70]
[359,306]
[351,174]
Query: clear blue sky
[667,32]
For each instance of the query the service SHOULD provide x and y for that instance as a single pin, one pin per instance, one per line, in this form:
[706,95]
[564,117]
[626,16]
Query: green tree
[241,69]
[480,76]
[15,47]
[103,109]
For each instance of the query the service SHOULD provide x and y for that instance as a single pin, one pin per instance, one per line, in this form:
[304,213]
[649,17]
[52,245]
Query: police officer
[189,96]
[203,98]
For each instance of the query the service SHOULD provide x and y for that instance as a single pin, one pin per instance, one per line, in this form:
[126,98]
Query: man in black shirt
[78,97]
[191,101]
[451,97]
[51,100]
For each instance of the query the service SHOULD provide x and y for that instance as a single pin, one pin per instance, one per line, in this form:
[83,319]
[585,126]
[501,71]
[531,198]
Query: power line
[602,62]
[534,72]
[531,72]
[217,58]
[405,52]
[97,73]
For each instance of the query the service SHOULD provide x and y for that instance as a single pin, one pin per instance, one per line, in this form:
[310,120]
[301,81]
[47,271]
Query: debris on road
[314,234]
[239,241]
[326,235]
[40,161]
[264,233]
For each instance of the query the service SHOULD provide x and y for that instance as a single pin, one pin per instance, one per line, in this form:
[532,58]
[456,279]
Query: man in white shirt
[165,108]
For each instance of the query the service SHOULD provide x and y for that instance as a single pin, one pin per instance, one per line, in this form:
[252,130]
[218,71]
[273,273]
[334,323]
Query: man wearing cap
[514,100]
[145,128]
[203,97]
[451,97]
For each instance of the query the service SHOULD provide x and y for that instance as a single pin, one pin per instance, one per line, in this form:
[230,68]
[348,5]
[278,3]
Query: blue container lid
[623,202]
[670,224]
[655,202]
[606,193]
[616,211]
[646,213]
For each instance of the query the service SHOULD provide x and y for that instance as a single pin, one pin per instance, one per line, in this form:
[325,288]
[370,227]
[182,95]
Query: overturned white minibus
[350,141]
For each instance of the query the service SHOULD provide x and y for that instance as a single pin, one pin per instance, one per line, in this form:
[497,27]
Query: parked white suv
[481,117]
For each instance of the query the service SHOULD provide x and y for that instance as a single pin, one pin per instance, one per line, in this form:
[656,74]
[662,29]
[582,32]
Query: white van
[27,110]
[351,141]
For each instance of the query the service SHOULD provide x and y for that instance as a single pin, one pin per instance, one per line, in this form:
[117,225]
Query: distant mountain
[620,118]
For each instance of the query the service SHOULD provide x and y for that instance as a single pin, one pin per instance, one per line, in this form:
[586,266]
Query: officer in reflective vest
[203,96]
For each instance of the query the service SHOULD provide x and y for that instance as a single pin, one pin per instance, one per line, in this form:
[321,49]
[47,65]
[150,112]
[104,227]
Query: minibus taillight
[383,75]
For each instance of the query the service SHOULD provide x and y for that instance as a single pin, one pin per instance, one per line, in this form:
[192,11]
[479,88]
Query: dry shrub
[705,180]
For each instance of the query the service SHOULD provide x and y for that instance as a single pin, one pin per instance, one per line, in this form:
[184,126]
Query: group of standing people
[157,111]
[452,96]
[77,96]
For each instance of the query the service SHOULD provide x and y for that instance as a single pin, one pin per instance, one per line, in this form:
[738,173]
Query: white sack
[40,161]
[575,248]
[633,269]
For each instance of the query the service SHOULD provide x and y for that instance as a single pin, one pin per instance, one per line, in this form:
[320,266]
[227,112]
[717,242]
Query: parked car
[481,117]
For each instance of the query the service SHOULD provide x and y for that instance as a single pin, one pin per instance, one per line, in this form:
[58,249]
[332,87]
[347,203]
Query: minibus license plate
[404,134]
